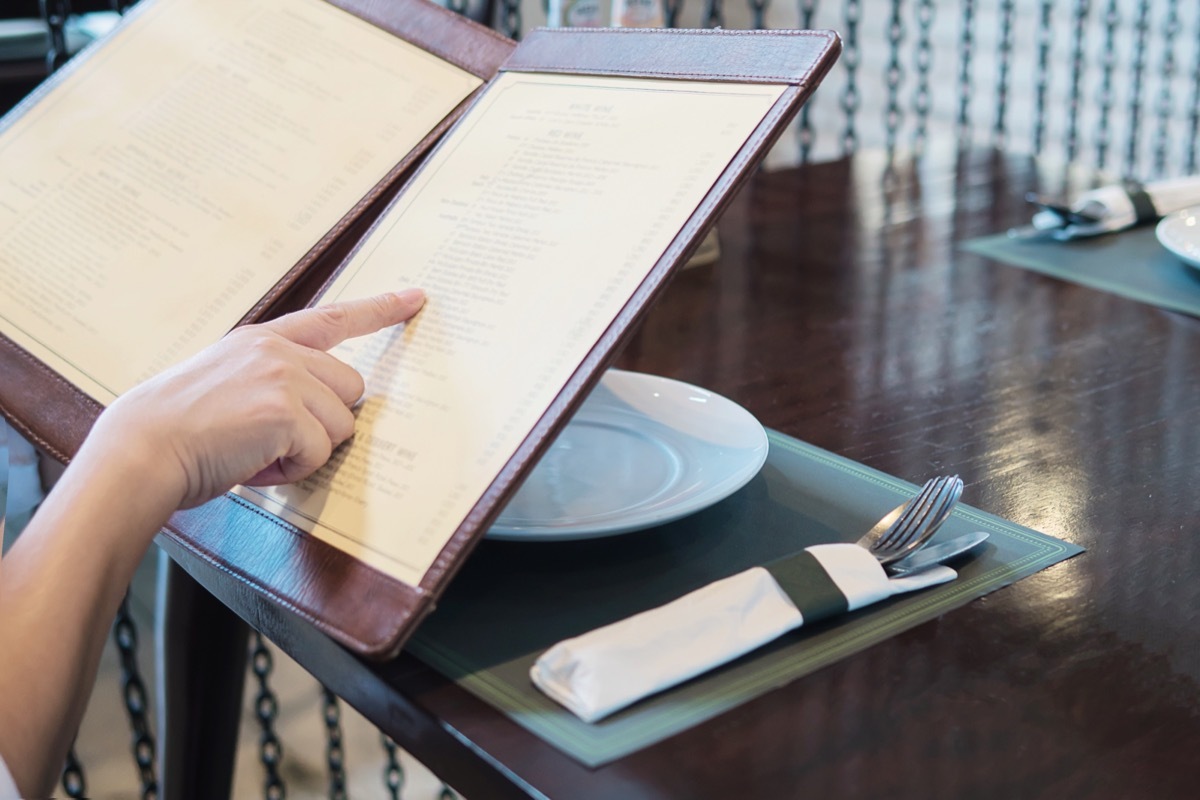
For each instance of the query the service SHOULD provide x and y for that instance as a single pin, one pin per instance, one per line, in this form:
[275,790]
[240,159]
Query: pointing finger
[325,326]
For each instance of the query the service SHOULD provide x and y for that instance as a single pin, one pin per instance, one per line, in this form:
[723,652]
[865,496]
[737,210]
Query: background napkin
[606,669]
[1121,206]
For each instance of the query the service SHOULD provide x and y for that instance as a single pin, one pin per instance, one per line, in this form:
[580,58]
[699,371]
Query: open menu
[144,211]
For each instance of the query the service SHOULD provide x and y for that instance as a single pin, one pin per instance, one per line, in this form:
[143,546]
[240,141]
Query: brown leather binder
[364,609]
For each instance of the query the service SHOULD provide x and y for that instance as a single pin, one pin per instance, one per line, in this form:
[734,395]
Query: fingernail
[410,296]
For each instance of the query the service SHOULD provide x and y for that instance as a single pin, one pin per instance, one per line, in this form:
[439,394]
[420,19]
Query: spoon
[937,554]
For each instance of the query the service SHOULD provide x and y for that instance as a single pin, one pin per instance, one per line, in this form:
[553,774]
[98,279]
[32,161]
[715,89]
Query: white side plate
[641,451]
[1179,232]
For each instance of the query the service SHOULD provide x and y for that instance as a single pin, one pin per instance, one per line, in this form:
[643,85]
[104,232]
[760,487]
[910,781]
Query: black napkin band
[1143,206]
[808,586]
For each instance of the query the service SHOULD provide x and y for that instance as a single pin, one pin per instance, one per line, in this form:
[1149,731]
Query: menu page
[529,229]
[167,184]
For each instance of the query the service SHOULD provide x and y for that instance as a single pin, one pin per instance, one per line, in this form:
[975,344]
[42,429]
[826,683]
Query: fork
[909,526]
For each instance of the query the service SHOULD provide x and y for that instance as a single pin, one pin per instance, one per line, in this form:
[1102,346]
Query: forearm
[62,583]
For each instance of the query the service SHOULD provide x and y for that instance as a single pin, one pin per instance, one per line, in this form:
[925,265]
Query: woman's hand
[265,405]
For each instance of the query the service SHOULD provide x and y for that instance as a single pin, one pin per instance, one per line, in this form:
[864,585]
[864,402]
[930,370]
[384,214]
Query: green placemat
[513,600]
[1130,264]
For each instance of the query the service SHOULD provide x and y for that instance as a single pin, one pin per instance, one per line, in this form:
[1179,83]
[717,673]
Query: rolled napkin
[604,670]
[1115,208]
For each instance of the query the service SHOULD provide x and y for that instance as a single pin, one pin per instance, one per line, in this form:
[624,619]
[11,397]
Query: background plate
[1179,232]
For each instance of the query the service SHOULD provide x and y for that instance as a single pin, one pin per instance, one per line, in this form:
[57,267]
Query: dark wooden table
[842,313]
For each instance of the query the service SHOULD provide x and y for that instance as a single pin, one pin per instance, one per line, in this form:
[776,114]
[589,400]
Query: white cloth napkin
[1121,206]
[604,670]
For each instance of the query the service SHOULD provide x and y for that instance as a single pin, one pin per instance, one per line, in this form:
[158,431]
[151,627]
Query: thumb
[325,326]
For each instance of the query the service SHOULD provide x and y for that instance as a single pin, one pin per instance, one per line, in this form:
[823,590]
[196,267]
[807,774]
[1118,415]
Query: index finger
[325,326]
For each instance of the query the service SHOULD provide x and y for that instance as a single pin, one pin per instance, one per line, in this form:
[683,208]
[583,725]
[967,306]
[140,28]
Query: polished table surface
[842,312]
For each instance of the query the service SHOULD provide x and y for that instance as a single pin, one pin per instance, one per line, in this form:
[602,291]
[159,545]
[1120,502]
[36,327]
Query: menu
[215,162]
[529,229]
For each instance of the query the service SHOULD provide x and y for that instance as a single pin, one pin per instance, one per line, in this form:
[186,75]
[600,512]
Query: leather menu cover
[54,414]
[265,568]
[250,555]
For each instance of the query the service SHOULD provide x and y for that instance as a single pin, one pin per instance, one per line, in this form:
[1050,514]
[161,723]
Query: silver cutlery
[1057,219]
[933,554]
[910,525]
[896,517]
[1089,214]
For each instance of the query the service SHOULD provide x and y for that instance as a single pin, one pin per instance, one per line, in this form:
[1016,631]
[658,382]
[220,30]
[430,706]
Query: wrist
[129,470]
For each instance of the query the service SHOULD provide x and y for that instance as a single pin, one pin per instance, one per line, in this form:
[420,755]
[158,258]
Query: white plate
[1179,232]
[641,451]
